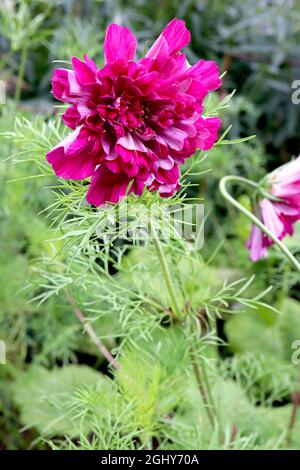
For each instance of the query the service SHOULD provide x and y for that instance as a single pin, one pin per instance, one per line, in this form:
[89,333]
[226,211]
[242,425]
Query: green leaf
[42,397]
[250,332]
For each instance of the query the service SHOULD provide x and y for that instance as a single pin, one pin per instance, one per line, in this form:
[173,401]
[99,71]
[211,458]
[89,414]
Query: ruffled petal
[106,187]
[174,137]
[120,43]
[85,72]
[174,37]
[207,132]
[255,244]
[66,88]
[207,73]
[271,219]
[289,172]
[75,115]
[70,159]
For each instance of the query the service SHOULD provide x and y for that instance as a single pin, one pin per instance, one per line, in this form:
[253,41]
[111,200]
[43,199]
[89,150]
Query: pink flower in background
[278,216]
[133,121]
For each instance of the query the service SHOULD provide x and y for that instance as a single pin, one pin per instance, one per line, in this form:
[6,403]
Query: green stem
[205,395]
[165,271]
[207,385]
[252,217]
[21,74]
[294,410]
[203,385]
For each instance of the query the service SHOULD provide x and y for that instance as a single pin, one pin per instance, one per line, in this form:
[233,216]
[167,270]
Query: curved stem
[165,271]
[252,217]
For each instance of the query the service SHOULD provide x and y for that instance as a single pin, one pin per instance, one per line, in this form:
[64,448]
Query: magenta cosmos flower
[134,121]
[278,215]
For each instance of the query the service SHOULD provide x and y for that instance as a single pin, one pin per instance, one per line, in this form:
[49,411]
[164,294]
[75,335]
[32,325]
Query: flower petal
[111,187]
[289,172]
[84,72]
[159,50]
[207,73]
[70,158]
[131,142]
[271,219]
[207,131]
[120,43]
[75,114]
[255,244]
[175,36]
[66,88]
[174,137]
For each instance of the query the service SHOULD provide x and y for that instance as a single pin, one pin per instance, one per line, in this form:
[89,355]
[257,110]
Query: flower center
[125,111]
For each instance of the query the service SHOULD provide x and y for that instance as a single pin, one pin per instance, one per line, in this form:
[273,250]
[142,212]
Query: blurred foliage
[56,392]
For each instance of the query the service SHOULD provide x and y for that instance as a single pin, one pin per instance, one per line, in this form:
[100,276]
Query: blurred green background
[257,43]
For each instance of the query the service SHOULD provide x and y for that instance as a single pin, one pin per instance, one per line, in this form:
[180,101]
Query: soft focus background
[257,43]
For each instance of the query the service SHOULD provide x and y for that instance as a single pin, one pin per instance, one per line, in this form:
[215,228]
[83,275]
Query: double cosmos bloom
[280,212]
[134,122]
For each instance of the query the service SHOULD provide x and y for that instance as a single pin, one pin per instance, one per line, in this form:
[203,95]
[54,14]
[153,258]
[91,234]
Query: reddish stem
[91,332]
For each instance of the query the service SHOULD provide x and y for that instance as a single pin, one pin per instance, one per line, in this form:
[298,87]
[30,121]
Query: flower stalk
[252,217]
[165,271]
[294,411]
[199,372]
[286,252]
[203,387]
